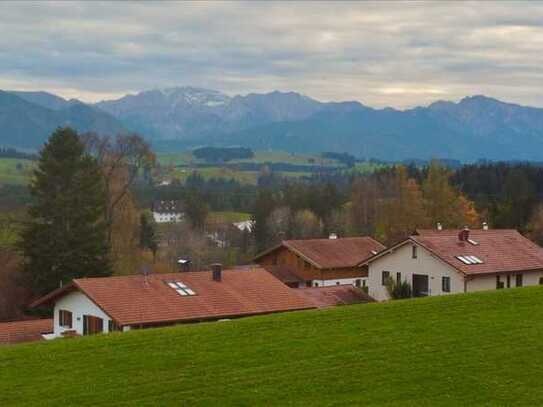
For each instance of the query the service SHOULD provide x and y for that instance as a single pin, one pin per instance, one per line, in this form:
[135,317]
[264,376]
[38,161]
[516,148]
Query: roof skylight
[470,259]
[181,288]
[473,242]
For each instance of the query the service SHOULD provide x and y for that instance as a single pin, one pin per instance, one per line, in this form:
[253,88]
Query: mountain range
[184,117]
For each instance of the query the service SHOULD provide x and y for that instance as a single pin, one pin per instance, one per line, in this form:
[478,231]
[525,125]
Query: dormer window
[413,252]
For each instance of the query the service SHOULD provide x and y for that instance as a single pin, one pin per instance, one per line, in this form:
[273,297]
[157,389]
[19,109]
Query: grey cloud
[399,54]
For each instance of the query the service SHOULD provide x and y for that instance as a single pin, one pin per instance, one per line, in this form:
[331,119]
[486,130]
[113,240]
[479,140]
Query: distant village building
[99,305]
[167,211]
[320,262]
[245,226]
[440,262]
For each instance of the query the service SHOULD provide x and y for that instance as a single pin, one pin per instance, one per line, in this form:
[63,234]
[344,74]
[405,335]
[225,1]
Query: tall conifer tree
[65,237]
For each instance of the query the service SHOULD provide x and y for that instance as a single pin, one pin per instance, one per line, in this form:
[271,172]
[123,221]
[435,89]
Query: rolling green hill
[473,349]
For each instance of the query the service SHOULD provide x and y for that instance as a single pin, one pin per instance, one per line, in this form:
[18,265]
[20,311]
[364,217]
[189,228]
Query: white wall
[340,281]
[78,304]
[489,282]
[401,261]
[161,217]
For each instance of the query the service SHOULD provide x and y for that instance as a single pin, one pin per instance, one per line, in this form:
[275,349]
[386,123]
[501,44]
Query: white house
[100,305]
[167,211]
[440,262]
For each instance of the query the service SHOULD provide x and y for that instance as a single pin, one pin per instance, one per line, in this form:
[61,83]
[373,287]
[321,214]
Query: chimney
[216,270]
[485,226]
[332,236]
[184,265]
[439,226]
[463,236]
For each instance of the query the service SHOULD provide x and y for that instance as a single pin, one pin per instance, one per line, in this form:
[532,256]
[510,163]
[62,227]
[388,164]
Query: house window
[508,281]
[357,283]
[65,318]
[92,325]
[414,252]
[518,280]
[499,284]
[316,284]
[446,284]
[398,278]
[384,277]
[113,326]
[540,280]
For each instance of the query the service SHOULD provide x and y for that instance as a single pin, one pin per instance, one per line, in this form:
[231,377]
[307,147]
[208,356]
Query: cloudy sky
[397,54]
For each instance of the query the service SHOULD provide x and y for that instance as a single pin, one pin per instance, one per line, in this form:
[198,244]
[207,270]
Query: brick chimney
[463,236]
[216,271]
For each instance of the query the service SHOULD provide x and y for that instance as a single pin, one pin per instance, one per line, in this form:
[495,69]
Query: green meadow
[472,349]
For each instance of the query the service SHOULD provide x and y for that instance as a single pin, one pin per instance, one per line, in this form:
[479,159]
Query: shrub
[398,290]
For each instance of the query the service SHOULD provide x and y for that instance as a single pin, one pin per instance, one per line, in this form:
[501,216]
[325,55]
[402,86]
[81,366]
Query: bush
[397,291]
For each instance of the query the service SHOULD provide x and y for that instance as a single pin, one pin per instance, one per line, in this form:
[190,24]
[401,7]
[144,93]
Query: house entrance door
[420,285]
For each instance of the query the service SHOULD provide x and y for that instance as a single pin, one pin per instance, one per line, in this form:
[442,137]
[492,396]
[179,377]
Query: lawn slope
[474,349]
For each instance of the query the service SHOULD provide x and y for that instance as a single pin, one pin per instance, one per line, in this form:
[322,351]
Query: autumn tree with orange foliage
[399,215]
[443,203]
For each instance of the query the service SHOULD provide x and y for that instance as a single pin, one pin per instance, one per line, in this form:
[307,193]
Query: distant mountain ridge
[28,118]
[185,117]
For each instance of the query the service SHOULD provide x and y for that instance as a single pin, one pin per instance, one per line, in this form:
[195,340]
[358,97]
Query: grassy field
[227,217]
[186,157]
[10,174]
[474,349]
[243,177]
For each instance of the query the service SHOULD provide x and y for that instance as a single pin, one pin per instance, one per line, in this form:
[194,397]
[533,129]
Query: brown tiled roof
[332,253]
[284,273]
[24,331]
[136,300]
[501,250]
[331,296]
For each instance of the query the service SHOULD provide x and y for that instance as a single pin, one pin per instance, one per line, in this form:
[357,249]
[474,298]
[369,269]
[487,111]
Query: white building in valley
[440,262]
[167,211]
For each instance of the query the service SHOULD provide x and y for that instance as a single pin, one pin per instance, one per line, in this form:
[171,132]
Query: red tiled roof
[24,331]
[332,253]
[130,300]
[284,273]
[501,250]
[334,295]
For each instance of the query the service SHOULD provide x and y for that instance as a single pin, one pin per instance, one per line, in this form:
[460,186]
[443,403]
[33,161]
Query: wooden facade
[286,260]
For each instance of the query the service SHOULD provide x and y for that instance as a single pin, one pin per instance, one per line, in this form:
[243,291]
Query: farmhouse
[167,211]
[94,305]
[438,262]
[320,262]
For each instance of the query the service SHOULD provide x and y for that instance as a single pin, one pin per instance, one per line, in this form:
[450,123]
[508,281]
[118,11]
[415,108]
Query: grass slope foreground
[473,349]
